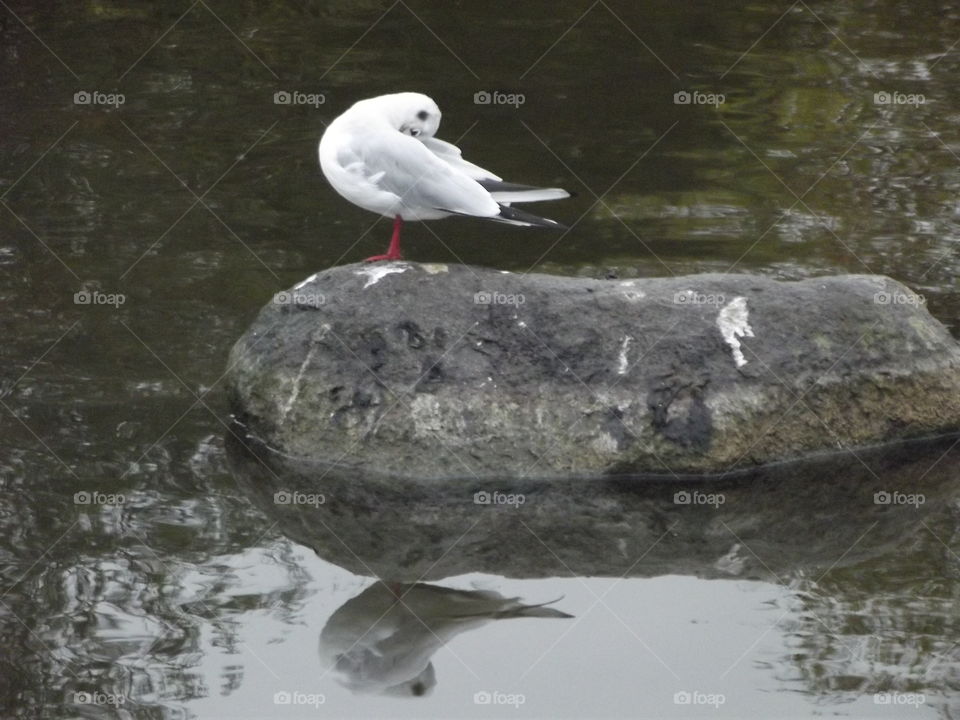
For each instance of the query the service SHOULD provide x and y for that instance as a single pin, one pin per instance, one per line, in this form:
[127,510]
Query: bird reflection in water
[381,641]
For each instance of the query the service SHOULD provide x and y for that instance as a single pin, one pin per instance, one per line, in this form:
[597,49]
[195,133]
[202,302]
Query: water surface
[199,197]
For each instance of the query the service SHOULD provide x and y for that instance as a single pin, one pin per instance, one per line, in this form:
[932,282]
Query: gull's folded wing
[405,167]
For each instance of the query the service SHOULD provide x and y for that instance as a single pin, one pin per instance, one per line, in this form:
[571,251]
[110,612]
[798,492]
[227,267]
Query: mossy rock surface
[444,372]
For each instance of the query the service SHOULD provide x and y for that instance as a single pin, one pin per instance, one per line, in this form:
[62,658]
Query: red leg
[393,252]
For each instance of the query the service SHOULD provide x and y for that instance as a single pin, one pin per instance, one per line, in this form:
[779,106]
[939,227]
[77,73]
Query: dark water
[182,210]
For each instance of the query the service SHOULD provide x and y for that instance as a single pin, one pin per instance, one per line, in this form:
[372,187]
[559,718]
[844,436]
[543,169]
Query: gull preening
[382,155]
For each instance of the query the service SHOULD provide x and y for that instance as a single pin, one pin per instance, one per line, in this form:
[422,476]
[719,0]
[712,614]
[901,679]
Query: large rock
[435,371]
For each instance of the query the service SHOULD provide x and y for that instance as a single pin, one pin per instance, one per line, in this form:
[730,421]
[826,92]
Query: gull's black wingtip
[522,217]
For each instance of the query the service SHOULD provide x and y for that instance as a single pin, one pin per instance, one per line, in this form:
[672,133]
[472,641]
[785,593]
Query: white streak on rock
[731,563]
[632,295]
[622,362]
[733,321]
[605,444]
[377,273]
[305,282]
[295,392]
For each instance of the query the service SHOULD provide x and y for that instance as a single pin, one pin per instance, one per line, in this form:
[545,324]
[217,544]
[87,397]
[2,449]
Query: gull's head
[411,113]
[418,686]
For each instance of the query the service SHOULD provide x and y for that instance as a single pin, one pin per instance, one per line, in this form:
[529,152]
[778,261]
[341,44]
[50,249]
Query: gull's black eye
[423,115]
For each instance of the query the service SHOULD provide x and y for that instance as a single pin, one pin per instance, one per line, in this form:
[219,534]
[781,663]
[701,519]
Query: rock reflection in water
[382,640]
[773,523]
[866,542]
